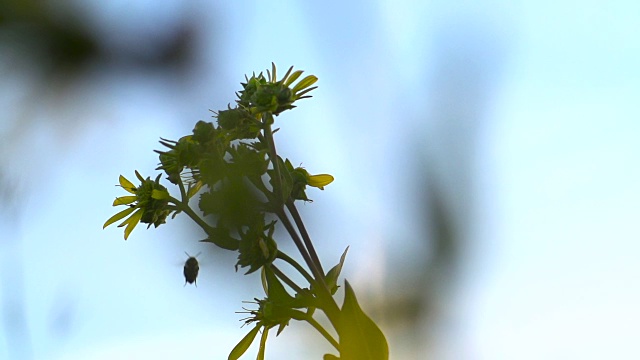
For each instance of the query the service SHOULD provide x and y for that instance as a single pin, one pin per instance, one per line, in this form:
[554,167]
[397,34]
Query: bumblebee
[191,269]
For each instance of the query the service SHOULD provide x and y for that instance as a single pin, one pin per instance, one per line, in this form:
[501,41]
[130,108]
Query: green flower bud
[256,247]
[149,201]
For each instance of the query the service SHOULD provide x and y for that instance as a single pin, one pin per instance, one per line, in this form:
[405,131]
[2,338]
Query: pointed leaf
[244,344]
[118,216]
[300,95]
[276,291]
[220,237]
[334,273]
[139,176]
[273,72]
[360,337]
[284,78]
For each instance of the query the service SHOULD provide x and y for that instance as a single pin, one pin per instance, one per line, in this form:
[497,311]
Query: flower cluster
[243,189]
[149,204]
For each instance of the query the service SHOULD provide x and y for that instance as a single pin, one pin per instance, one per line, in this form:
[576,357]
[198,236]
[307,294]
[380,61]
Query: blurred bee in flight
[191,269]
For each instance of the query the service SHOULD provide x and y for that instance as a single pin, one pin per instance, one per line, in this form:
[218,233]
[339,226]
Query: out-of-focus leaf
[332,275]
[360,337]
[330,357]
[244,344]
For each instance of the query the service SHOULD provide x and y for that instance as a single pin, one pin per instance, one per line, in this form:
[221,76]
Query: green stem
[305,235]
[273,155]
[292,262]
[286,279]
[324,292]
[187,210]
[298,242]
[329,305]
[183,193]
[324,332]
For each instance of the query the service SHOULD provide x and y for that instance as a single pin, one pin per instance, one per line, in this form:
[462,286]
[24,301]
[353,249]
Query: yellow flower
[319,181]
[148,204]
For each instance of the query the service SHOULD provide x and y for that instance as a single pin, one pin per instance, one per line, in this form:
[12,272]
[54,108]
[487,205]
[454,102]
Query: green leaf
[275,290]
[360,337]
[332,276]
[273,72]
[284,78]
[139,176]
[330,357]
[244,344]
[220,237]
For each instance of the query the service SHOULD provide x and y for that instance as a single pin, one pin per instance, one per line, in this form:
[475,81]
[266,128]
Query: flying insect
[191,269]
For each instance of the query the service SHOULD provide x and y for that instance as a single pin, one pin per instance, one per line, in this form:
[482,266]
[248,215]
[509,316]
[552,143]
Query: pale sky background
[550,264]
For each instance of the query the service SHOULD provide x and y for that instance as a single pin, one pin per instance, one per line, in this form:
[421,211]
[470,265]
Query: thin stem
[298,242]
[305,235]
[329,305]
[286,279]
[183,193]
[292,262]
[273,155]
[324,332]
[187,210]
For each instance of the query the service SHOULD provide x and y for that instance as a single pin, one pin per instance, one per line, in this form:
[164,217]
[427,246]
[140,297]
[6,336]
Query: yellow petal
[320,181]
[124,200]
[118,216]
[304,83]
[126,184]
[132,222]
[130,218]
